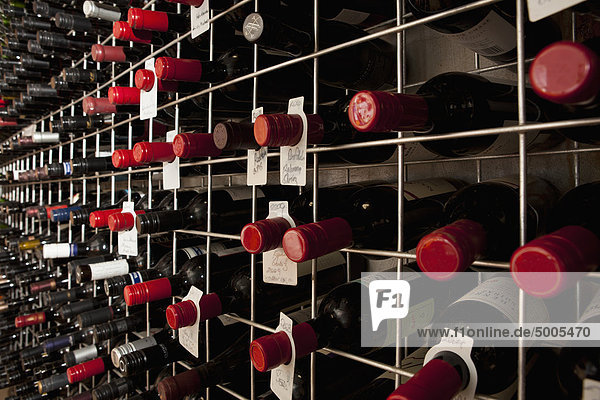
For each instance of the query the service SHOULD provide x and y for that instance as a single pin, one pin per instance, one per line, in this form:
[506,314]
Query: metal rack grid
[26,191]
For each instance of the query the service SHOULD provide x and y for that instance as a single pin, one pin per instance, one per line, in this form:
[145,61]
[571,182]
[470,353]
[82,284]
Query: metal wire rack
[51,191]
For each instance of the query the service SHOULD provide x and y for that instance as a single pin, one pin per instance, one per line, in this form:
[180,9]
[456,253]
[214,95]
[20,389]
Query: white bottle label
[128,243]
[188,335]
[593,309]
[130,347]
[282,377]
[109,269]
[503,294]
[539,9]
[591,389]
[491,37]
[149,100]
[200,19]
[257,160]
[171,170]
[293,158]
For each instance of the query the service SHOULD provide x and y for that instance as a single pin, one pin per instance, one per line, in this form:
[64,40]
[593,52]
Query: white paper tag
[103,154]
[257,160]
[282,377]
[128,243]
[293,158]
[461,346]
[171,170]
[108,269]
[539,9]
[188,335]
[29,130]
[277,267]
[226,320]
[200,19]
[149,100]
[591,389]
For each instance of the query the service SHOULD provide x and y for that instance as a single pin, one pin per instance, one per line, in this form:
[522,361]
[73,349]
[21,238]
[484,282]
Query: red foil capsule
[178,69]
[437,380]
[145,292]
[147,152]
[181,385]
[182,314]
[145,80]
[85,370]
[123,158]
[451,249]
[120,95]
[122,221]
[306,242]
[101,53]
[269,352]
[98,105]
[122,31]
[99,219]
[148,20]
[43,286]
[264,235]
[190,145]
[371,111]
[30,319]
[548,265]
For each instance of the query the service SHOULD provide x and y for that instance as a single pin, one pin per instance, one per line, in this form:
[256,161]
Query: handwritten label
[128,243]
[293,158]
[277,267]
[282,377]
[539,9]
[171,170]
[257,160]
[188,335]
[591,389]
[200,19]
[461,346]
[149,100]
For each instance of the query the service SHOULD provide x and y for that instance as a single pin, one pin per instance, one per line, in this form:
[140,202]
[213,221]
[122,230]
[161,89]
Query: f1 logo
[389,299]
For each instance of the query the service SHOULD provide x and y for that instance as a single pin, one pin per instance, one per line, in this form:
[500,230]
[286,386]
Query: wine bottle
[337,324]
[551,263]
[82,216]
[125,221]
[101,105]
[79,23]
[115,285]
[84,354]
[99,218]
[139,344]
[370,65]
[490,30]
[192,273]
[100,315]
[132,323]
[358,220]
[452,102]
[230,208]
[329,127]
[234,297]
[566,73]
[472,231]
[96,245]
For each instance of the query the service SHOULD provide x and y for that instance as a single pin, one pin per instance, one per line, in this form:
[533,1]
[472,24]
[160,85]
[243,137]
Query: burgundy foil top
[182,314]
[178,69]
[121,95]
[437,380]
[306,242]
[148,20]
[98,105]
[149,152]
[101,53]
[122,31]
[190,145]
[123,158]
[264,235]
[99,219]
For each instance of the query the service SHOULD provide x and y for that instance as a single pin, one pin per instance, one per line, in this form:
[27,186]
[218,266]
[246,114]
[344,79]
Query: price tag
[461,346]
[188,335]
[257,160]
[149,100]
[29,130]
[539,9]
[171,170]
[591,389]
[282,377]
[200,19]
[293,158]
[128,243]
[277,267]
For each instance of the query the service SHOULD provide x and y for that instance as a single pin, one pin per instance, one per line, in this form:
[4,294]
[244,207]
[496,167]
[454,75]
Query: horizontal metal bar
[539,126]
[210,234]
[231,392]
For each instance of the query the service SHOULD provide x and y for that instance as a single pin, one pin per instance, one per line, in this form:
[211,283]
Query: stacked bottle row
[130,282]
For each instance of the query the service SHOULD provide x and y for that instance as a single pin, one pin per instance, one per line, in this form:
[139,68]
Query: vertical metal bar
[522,178]
[313,299]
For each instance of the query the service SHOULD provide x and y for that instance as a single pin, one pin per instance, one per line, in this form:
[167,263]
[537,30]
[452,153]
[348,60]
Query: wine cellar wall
[420,54]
